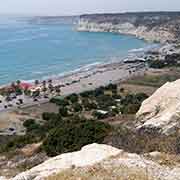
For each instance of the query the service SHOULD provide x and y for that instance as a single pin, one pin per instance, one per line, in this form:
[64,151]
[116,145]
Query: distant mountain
[54,19]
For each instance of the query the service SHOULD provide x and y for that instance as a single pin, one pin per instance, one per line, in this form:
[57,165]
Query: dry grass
[102,173]
[169,160]
[155,78]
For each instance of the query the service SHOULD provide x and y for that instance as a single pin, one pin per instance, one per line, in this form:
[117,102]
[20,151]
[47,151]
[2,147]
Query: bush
[31,125]
[111,87]
[157,64]
[77,107]
[87,94]
[99,91]
[130,109]
[63,111]
[73,98]
[60,102]
[72,135]
[47,116]
[105,101]
[88,105]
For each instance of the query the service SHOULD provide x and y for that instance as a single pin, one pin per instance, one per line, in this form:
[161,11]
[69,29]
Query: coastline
[88,77]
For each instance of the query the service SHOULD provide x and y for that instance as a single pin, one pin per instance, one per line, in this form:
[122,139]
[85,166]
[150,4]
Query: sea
[44,47]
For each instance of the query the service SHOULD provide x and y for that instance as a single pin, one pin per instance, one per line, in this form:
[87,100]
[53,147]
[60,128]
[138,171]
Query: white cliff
[155,34]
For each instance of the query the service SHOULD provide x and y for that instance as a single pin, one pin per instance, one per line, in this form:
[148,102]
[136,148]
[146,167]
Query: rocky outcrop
[162,27]
[88,156]
[97,161]
[161,111]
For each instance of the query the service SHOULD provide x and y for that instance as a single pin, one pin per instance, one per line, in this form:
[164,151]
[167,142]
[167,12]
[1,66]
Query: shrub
[99,91]
[47,116]
[73,98]
[86,94]
[105,101]
[63,111]
[130,109]
[88,105]
[156,64]
[60,102]
[31,125]
[72,135]
[77,107]
[112,87]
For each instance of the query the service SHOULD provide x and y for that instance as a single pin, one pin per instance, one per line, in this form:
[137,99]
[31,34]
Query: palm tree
[18,82]
[44,89]
[50,86]
[58,90]
[36,82]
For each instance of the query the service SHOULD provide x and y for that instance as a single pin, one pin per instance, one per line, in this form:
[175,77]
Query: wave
[84,68]
[136,50]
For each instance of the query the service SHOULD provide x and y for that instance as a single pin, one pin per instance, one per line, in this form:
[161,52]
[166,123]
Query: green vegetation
[63,111]
[171,60]
[60,101]
[130,104]
[72,134]
[154,80]
[69,130]
[144,141]
[73,98]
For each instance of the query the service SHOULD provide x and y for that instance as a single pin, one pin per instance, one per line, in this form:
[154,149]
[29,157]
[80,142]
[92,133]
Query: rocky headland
[151,26]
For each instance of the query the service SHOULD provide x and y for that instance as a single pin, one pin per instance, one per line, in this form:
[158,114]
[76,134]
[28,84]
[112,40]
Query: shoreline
[88,77]
[133,53]
[80,81]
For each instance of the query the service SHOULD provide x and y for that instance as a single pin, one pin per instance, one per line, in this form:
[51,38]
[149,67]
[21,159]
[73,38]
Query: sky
[76,7]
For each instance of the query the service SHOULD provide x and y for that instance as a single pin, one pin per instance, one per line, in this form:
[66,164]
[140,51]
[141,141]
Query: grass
[154,80]
[102,173]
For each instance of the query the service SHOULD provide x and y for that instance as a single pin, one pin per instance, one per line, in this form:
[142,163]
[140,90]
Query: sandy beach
[101,75]
[83,80]
[76,82]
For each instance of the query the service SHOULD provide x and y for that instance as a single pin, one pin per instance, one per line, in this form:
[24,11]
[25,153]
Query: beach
[77,82]
[84,80]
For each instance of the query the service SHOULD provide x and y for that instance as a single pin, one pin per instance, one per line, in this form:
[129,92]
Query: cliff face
[159,26]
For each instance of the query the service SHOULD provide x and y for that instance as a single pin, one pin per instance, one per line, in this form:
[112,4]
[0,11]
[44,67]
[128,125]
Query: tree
[73,98]
[36,82]
[18,82]
[63,111]
[73,134]
[58,90]
[77,107]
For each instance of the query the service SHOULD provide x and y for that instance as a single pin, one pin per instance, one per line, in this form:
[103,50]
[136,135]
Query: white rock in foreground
[161,111]
[89,155]
[113,162]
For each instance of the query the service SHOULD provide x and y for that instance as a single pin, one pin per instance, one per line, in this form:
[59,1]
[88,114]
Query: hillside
[97,161]
[151,26]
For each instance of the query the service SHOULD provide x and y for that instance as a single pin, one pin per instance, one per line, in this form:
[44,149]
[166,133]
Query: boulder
[87,156]
[161,111]
[97,161]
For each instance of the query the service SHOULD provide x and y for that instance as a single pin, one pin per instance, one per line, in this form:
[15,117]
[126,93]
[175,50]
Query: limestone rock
[88,155]
[161,111]
[97,161]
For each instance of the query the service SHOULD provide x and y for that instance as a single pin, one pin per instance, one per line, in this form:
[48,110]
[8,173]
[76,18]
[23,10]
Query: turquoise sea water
[31,50]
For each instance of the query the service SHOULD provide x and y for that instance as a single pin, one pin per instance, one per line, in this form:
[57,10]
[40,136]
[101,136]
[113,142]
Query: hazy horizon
[78,7]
